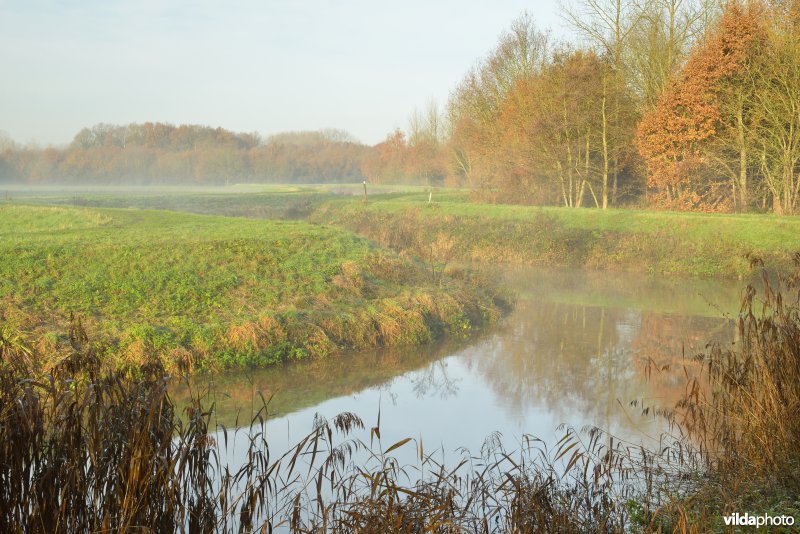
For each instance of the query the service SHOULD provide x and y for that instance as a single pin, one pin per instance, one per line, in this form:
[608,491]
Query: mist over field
[420,267]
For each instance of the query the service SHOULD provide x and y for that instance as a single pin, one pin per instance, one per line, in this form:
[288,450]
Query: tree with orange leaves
[675,137]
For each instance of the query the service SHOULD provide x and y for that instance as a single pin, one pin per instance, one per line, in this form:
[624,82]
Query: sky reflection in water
[572,353]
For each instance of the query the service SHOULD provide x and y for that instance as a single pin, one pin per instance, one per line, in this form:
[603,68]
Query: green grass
[271,203]
[631,240]
[220,291]
[624,240]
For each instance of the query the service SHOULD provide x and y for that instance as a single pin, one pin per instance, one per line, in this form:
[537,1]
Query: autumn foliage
[159,153]
[674,137]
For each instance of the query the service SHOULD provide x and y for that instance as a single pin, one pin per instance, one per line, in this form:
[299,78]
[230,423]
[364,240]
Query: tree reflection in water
[573,351]
[434,381]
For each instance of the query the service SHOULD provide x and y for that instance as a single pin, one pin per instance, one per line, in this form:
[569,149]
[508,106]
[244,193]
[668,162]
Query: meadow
[209,292]
[646,241]
[300,273]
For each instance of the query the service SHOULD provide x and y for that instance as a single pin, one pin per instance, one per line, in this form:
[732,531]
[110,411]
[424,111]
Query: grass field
[217,291]
[618,239]
[203,291]
[282,277]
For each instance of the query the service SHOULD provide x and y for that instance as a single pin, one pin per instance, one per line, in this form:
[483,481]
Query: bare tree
[659,42]
[607,26]
[777,129]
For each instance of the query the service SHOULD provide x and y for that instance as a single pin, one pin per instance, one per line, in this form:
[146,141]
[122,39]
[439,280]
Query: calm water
[572,353]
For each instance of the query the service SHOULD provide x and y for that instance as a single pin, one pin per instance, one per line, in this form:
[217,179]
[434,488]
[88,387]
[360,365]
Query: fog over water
[572,353]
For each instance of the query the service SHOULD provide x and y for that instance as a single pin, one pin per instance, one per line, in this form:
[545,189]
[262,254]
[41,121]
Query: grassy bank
[628,240]
[459,230]
[204,291]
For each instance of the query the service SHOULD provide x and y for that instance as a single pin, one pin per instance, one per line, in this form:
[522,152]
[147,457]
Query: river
[572,353]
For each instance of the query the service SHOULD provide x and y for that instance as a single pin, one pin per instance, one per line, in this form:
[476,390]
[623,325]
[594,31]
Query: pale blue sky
[266,66]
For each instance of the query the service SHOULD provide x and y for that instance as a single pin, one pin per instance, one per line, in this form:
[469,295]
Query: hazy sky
[266,66]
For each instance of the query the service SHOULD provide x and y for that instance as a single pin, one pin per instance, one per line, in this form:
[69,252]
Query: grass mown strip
[204,291]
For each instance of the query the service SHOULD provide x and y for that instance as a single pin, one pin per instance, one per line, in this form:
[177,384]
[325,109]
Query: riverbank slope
[204,291]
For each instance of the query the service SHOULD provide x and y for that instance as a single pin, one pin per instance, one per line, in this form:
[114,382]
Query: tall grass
[83,449]
[88,450]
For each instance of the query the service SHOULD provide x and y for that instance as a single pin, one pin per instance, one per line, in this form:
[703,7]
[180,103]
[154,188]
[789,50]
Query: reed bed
[83,448]
[742,413]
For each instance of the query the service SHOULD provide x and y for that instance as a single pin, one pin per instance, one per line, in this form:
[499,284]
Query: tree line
[186,154]
[673,104]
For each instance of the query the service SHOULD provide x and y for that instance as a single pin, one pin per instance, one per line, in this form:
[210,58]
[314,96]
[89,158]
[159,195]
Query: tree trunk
[743,198]
[605,155]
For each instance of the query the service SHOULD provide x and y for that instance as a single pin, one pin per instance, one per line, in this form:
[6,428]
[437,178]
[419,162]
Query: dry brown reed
[742,413]
[86,449]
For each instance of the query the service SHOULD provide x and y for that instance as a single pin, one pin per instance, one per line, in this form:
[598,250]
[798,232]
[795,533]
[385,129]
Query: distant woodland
[160,153]
[669,104]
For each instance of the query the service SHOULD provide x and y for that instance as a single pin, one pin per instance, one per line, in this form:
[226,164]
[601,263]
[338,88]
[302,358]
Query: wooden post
[365,190]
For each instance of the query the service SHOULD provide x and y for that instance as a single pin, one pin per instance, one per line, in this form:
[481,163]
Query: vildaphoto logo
[764,520]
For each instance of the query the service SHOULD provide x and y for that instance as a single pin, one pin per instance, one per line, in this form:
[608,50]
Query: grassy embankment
[204,291]
[628,240]
[455,229]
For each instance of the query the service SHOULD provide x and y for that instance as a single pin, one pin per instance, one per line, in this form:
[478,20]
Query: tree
[387,162]
[608,26]
[553,132]
[776,90]
[426,155]
[676,136]
[660,40]
[475,105]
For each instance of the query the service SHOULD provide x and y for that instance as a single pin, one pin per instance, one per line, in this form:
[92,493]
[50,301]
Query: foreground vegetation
[79,443]
[204,291]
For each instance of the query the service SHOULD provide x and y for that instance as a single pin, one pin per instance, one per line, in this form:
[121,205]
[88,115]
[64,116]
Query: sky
[263,65]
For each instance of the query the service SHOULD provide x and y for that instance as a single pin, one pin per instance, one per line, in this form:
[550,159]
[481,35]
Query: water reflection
[572,352]
[565,357]
[292,387]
